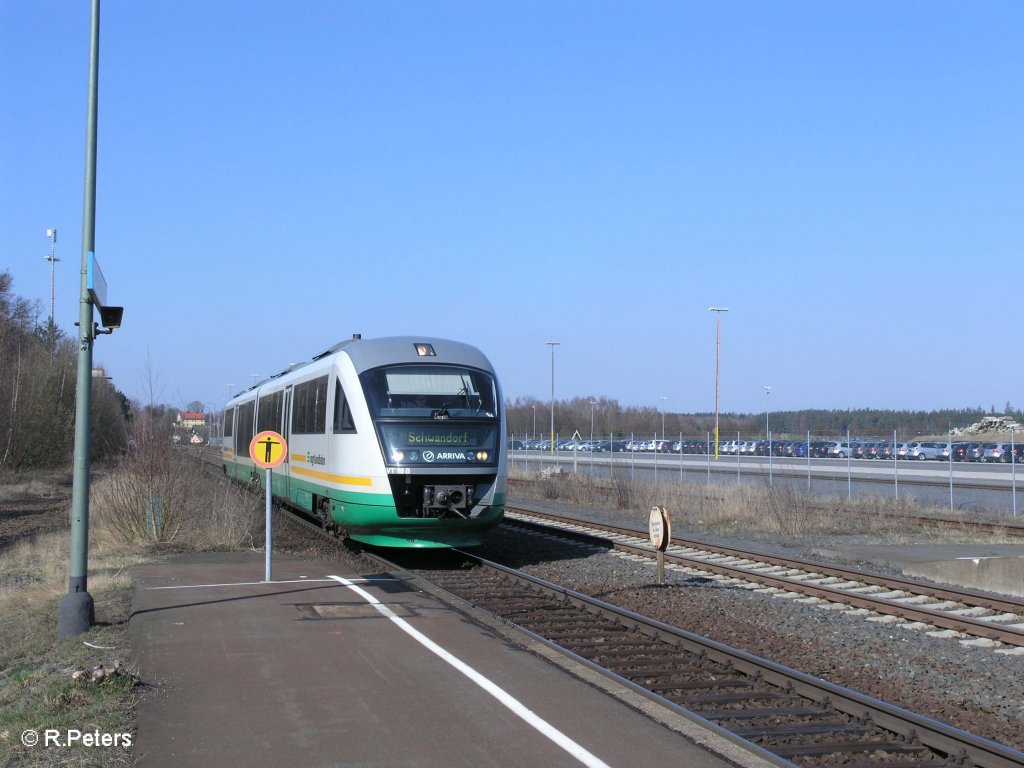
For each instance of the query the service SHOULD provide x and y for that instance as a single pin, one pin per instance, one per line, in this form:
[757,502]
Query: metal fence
[963,486]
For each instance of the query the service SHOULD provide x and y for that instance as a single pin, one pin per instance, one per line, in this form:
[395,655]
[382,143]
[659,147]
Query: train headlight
[398,455]
[482,455]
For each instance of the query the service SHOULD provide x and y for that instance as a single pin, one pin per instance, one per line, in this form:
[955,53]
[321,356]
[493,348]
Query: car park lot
[859,449]
[906,470]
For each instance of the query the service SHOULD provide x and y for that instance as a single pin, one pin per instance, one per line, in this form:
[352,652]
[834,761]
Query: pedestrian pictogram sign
[268,449]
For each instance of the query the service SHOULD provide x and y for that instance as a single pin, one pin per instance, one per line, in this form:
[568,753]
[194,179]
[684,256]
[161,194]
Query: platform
[308,671]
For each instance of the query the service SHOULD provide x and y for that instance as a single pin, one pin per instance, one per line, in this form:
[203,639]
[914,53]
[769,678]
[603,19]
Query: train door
[286,423]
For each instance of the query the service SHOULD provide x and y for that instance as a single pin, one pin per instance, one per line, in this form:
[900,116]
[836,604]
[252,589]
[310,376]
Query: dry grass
[780,513]
[36,689]
[36,569]
[27,486]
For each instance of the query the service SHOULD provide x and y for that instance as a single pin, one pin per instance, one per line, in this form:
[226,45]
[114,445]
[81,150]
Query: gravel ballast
[971,688]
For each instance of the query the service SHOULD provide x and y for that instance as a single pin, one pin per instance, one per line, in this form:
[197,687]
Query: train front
[440,429]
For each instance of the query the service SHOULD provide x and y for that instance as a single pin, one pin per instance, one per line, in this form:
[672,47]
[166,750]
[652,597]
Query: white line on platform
[500,694]
[264,583]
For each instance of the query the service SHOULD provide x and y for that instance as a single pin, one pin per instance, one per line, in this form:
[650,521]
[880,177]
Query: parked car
[925,451]
[995,451]
[976,452]
[1014,456]
[819,449]
[839,449]
[798,449]
[960,451]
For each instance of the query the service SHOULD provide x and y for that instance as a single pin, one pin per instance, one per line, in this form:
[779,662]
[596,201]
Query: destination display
[426,445]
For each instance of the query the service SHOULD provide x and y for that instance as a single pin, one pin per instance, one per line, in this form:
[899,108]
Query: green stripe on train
[372,518]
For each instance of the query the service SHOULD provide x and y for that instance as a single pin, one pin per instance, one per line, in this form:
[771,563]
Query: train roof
[397,350]
[392,350]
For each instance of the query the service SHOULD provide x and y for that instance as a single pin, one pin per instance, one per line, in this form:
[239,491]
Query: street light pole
[592,403]
[534,421]
[718,348]
[77,611]
[51,332]
[663,399]
[212,429]
[767,431]
[552,344]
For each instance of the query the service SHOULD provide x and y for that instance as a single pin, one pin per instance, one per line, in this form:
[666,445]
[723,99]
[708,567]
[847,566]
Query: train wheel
[323,512]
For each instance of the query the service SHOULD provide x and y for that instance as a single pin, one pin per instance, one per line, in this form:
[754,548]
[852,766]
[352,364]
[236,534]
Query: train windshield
[430,392]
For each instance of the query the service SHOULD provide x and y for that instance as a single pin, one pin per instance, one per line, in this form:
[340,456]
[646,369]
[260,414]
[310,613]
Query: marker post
[659,527]
[267,450]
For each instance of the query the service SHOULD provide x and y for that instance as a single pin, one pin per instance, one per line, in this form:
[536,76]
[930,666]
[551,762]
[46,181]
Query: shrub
[158,492]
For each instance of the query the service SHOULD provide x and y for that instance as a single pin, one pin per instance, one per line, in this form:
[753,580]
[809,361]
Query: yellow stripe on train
[341,479]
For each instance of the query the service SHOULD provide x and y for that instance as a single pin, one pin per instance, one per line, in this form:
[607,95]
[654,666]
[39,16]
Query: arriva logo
[444,456]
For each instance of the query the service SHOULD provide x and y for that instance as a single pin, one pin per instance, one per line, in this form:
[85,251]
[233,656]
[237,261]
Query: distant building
[190,420]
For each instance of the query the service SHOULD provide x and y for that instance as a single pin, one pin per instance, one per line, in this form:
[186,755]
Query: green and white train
[395,442]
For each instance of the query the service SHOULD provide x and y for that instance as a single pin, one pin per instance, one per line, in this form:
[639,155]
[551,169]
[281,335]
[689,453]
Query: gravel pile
[973,689]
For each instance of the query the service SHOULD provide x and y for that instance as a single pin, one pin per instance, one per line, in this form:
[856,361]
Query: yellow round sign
[268,449]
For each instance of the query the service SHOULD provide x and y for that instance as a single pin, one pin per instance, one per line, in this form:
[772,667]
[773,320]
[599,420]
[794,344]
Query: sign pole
[267,450]
[268,544]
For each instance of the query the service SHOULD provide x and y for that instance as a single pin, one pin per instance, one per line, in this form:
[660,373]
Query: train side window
[246,411]
[309,407]
[299,400]
[229,422]
[268,415]
[320,406]
[342,413]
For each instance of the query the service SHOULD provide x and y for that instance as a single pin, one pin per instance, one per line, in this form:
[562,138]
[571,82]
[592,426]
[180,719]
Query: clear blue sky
[846,177]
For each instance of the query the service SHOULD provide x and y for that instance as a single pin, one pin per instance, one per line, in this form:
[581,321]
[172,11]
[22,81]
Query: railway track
[794,718]
[968,616]
[972,617]
[997,527]
[787,717]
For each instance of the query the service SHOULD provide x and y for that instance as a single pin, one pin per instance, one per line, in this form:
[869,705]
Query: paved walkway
[361,670]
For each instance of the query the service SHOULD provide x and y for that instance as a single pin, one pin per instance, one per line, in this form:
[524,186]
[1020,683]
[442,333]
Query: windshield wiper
[460,393]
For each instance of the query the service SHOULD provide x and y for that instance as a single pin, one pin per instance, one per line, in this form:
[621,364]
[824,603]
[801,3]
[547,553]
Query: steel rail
[977,627]
[910,728]
[933,734]
[1007,528]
